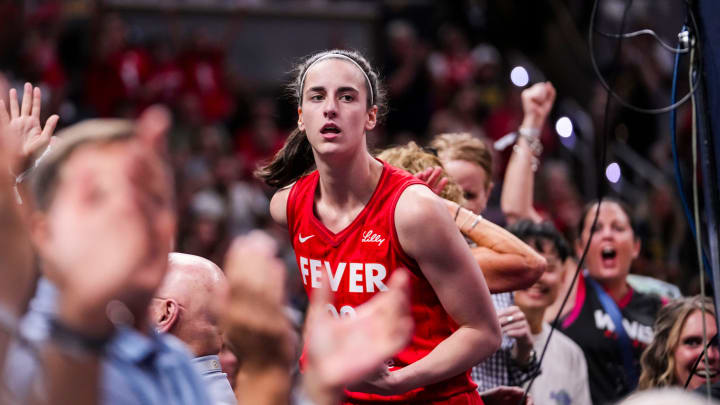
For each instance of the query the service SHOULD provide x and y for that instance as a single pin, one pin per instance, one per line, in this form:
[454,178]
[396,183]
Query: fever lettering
[355,277]
[335,278]
[362,277]
[374,275]
[303,269]
[315,273]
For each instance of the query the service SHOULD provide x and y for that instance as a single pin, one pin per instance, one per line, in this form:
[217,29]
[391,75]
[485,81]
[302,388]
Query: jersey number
[345,311]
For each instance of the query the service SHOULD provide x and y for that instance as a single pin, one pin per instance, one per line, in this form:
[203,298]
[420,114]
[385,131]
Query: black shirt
[593,330]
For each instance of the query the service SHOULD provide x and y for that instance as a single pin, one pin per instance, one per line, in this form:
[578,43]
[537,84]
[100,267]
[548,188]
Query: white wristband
[531,132]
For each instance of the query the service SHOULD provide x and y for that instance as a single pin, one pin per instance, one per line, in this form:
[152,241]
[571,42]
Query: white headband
[340,56]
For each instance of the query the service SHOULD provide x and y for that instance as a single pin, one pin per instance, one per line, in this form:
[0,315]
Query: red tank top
[359,260]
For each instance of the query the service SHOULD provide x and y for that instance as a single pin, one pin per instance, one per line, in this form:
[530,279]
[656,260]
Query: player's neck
[350,183]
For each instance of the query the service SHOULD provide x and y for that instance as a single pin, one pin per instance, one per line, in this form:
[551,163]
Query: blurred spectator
[107,61]
[408,81]
[261,139]
[167,80]
[663,227]
[488,77]
[682,330]
[185,305]
[564,375]
[559,197]
[205,79]
[462,115]
[247,205]
[451,64]
[118,71]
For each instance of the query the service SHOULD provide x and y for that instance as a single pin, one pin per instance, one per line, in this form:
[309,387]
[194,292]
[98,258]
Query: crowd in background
[449,76]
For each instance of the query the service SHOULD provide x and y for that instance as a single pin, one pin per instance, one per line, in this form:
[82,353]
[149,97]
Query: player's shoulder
[418,202]
[278,204]
[419,209]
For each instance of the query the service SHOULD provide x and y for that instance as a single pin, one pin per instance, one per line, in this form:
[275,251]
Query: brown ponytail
[294,160]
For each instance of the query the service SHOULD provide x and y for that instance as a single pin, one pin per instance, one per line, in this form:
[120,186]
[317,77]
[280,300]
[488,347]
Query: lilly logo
[370,237]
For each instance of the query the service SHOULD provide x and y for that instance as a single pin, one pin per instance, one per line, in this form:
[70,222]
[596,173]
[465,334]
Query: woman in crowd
[354,220]
[670,358]
[468,161]
[564,372]
[610,321]
[507,263]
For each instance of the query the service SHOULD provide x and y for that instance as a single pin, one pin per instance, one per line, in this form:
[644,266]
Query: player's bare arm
[448,265]
[278,205]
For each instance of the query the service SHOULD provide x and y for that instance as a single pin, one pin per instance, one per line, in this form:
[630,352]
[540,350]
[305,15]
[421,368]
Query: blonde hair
[414,159]
[45,177]
[657,360]
[463,146]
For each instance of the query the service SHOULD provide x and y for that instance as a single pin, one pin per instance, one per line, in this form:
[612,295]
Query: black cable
[697,361]
[600,194]
[617,97]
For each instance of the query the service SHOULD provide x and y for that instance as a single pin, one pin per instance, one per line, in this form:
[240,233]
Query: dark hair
[534,233]
[295,158]
[589,207]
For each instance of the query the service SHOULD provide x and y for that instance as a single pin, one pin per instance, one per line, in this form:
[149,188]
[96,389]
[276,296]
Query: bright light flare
[519,76]
[613,173]
[564,127]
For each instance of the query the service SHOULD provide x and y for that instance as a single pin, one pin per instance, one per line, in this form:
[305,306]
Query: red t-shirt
[359,260]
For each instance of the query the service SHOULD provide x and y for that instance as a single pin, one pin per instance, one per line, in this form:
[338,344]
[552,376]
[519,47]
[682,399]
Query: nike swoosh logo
[302,240]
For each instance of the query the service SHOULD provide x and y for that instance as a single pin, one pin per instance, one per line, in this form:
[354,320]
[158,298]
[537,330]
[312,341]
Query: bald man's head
[184,305]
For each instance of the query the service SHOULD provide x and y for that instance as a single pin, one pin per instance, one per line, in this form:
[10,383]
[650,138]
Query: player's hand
[21,128]
[537,101]
[432,176]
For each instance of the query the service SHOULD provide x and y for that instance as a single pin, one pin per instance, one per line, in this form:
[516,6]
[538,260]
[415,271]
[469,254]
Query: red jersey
[359,260]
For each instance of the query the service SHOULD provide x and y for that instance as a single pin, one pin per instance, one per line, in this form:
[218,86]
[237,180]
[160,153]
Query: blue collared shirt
[137,368]
[216,382]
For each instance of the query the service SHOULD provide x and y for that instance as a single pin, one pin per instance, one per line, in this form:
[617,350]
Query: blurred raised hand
[17,272]
[21,128]
[537,101]
[253,318]
[103,226]
[352,350]
[108,230]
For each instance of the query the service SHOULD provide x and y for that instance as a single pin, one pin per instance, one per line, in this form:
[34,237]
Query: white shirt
[564,378]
